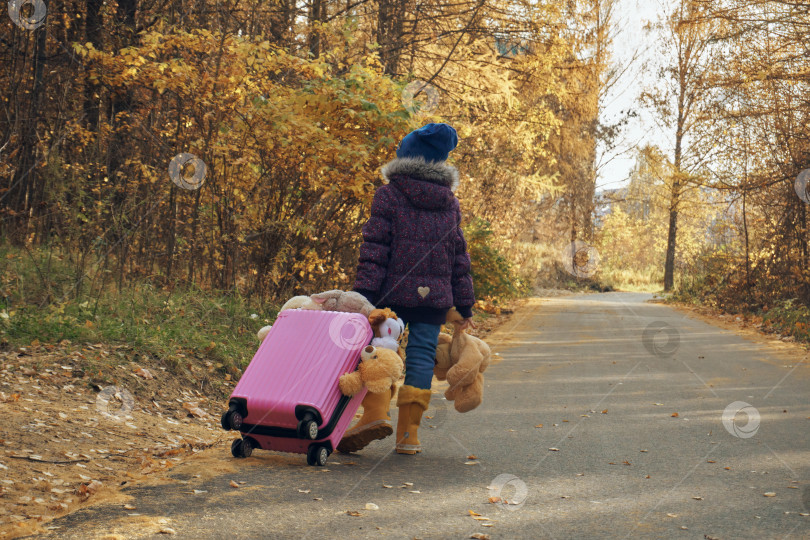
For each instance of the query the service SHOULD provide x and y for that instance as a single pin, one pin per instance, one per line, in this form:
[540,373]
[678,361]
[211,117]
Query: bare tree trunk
[93,34]
[675,196]
[389,33]
[316,13]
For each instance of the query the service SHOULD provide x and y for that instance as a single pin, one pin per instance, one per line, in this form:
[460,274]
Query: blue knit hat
[432,142]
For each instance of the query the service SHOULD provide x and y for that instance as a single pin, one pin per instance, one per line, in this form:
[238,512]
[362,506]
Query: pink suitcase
[288,397]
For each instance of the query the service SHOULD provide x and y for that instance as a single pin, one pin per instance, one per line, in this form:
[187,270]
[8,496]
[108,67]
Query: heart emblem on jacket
[423,291]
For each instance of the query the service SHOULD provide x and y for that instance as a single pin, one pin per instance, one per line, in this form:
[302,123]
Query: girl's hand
[466,323]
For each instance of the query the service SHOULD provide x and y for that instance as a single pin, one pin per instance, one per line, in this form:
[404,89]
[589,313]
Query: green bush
[492,273]
[40,301]
[789,317]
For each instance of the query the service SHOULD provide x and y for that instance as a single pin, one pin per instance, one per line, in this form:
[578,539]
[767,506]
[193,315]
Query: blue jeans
[420,353]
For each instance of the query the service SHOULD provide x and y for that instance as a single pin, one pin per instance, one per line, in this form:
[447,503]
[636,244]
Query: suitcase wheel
[317,455]
[241,448]
[308,428]
[231,419]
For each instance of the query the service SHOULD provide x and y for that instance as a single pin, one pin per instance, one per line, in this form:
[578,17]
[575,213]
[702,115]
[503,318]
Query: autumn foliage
[291,111]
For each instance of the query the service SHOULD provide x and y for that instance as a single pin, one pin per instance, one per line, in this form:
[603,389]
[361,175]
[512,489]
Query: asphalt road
[625,466]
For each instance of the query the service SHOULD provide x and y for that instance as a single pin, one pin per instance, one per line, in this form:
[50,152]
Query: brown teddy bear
[379,369]
[461,359]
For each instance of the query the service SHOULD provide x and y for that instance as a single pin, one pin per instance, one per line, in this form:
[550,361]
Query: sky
[631,16]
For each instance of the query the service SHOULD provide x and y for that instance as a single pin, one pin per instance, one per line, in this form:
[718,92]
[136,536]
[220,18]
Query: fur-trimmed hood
[435,172]
[428,185]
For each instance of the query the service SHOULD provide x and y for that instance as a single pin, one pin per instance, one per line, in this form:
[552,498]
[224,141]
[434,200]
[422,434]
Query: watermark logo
[27,14]
[738,412]
[348,332]
[419,97]
[580,259]
[802,185]
[661,339]
[114,402]
[187,171]
[508,491]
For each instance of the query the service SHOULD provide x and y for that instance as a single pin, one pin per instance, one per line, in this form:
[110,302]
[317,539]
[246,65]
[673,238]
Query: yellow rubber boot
[412,402]
[374,424]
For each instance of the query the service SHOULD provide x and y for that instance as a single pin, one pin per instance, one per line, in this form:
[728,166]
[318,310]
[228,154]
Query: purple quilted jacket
[414,257]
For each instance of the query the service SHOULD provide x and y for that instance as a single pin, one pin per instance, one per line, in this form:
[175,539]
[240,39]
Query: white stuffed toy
[388,329]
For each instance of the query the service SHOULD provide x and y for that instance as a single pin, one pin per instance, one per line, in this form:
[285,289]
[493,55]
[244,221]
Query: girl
[413,260]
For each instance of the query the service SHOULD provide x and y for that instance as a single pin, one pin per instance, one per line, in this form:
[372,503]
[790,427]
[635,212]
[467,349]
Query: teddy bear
[379,369]
[296,302]
[388,329]
[346,301]
[461,359]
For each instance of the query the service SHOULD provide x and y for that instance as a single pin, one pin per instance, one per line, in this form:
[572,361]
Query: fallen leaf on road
[473,513]
[554,449]
[674,415]
[769,494]
[643,450]
[626,462]
[407,484]
[481,518]
[317,498]
[659,404]
[672,515]
[470,463]
[539,425]
[304,490]
[605,411]
[233,484]
[480,536]
[698,498]
[415,491]
[372,506]
[387,486]
[130,507]
[353,513]
[804,514]
[710,461]
[494,500]
[472,457]
[167,530]
[199,491]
